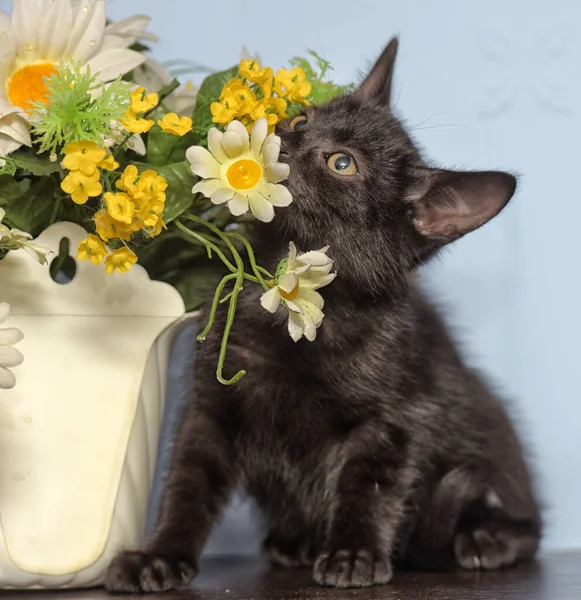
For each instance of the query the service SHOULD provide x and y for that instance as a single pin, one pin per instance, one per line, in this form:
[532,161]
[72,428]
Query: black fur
[373,446]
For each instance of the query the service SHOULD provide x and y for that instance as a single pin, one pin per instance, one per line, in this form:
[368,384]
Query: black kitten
[375,445]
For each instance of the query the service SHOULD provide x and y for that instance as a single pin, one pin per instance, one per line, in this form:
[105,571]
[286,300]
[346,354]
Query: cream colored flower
[14,239]
[297,279]
[43,33]
[9,356]
[242,170]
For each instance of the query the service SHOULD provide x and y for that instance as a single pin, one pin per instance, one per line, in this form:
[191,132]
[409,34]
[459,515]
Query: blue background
[490,84]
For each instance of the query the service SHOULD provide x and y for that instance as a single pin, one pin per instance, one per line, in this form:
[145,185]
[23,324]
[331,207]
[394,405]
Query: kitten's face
[360,186]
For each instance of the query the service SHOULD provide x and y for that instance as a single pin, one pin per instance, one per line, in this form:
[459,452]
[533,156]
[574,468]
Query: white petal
[311,311]
[310,329]
[258,135]
[271,149]
[296,326]
[288,282]
[207,187]
[10,357]
[203,164]
[261,208]
[215,146]
[7,45]
[279,195]
[88,29]
[114,62]
[26,18]
[124,33]
[238,205]
[315,282]
[239,128]
[313,298]
[152,75]
[233,144]
[315,258]
[7,145]
[54,31]
[16,128]
[222,195]
[4,311]
[7,379]
[292,252]
[10,336]
[276,172]
[136,143]
[270,300]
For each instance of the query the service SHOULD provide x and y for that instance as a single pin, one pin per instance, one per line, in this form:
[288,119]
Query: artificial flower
[14,239]
[242,170]
[120,206]
[82,187]
[108,228]
[142,102]
[297,278]
[293,85]
[136,124]
[9,356]
[83,156]
[43,33]
[175,125]
[108,163]
[93,249]
[222,114]
[120,260]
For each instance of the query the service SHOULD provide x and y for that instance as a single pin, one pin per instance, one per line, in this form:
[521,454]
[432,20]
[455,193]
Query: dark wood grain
[554,577]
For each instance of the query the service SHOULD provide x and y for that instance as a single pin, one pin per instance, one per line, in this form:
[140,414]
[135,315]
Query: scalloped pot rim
[91,293]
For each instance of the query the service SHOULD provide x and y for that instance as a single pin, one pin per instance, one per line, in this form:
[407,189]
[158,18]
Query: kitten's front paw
[288,552]
[351,569]
[138,572]
[483,549]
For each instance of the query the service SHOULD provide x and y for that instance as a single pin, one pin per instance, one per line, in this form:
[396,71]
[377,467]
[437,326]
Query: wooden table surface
[553,577]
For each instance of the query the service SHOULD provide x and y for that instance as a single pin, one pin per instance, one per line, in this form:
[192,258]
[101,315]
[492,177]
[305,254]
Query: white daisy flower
[9,356]
[242,170]
[43,33]
[297,277]
[14,239]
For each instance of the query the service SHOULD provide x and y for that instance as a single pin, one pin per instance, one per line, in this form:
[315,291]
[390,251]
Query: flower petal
[276,172]
[258,135]
[114,62]
[54,31]
[279,195]
[7,45]
[16,128]
[10,336]
[10,357]
[207,187]
[238,205]
[7,145]
[124,33]
[296,326]
[88,28]
[222,195]
[4,311]
[203,164]
[271,149]
[233,144]
[315,258]
[7,379]
[261,208]
[288,282]
[270,300]
[26,18]
[215,146]
[239,128]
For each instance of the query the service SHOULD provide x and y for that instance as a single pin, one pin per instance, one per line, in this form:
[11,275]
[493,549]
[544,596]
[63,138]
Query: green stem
[56,208]
[255,268]
[202,240]
[214,306]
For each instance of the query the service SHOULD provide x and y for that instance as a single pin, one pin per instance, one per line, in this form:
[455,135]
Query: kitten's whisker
[426,120]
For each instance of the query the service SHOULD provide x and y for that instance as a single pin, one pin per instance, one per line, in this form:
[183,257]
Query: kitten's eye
[342,163]
[298,122]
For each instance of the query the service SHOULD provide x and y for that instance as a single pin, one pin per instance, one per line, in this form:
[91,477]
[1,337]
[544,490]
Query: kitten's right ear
[377,85]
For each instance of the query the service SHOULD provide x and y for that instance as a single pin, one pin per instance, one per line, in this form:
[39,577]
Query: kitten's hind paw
[351,569]
[138,572]
[482,549]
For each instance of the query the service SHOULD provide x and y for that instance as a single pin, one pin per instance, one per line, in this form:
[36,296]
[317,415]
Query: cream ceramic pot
[79,432]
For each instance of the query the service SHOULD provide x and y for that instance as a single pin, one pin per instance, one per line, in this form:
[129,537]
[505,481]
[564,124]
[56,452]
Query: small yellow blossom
[222,113]
[108,163]
[129,179]
[238,95]
[279,106]
[157,228]
[92,249]
[83,157]
[108,228]
[292,84]
[250,69]
[142,102]
[82,187]
[120,207]
[175,125]
[120,260]
[134,124]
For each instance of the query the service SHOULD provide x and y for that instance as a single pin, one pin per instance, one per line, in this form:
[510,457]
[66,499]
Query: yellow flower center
[290,295]
[244,174]
[27,84]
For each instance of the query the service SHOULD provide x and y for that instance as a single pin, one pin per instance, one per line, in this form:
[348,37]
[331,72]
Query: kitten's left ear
[450,204]
[377,85]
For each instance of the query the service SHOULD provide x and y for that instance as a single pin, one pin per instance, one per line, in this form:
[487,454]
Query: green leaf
[38,165]
[164,148]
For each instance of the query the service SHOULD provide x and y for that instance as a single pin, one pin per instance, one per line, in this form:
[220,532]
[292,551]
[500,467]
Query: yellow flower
[82,187]
[279,106]
[108,163]
[92,249]
[83,157]
[222,113]
[156,229]
[142,102]
[120,260]
[238,95]
[128,180]
[260,112]
[134,124]
[250,69]
[292,84]
[120,207]
[108,228]
[175,125]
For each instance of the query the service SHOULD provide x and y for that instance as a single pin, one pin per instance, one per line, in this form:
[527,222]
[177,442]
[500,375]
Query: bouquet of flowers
[95,132]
